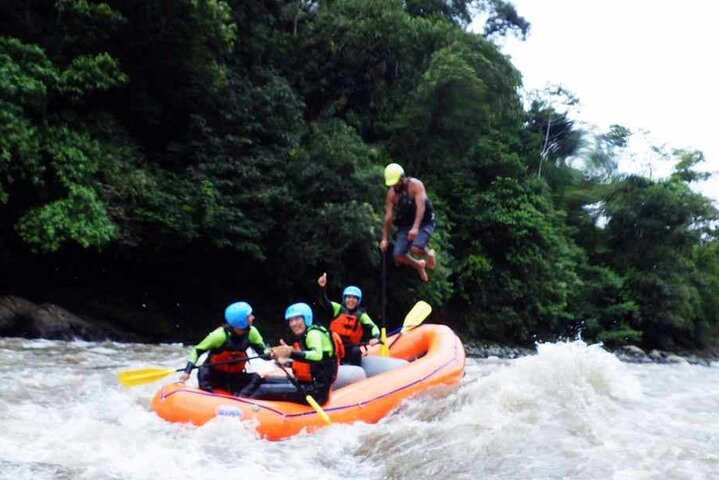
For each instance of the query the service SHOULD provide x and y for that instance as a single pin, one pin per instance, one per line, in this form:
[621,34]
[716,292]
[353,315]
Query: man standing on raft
[414,220]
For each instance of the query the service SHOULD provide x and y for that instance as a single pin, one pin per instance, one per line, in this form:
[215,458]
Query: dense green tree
[602,308]
[519,280]
[502,17]
[653,230]
[96,186]
[226,148]
[55,166]
[706,281]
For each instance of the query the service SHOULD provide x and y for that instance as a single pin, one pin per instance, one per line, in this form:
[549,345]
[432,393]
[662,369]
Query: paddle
[414,318]
[384,349]
[141,376]
[313,403]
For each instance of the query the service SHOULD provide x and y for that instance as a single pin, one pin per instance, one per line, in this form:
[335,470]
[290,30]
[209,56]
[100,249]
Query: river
[571,411]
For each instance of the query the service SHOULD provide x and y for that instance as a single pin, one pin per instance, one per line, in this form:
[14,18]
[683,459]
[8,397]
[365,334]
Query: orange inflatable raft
[427,356]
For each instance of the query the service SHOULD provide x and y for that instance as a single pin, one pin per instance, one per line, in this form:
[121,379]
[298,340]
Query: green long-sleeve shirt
[317,342]
[218,337]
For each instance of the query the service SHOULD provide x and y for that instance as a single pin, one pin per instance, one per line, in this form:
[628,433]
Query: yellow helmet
[392,173]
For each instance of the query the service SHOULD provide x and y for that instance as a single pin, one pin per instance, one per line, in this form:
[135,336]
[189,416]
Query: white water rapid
[570,412]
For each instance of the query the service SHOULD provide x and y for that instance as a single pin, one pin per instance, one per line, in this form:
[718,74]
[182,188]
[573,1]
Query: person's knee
[354,356]
[205,380]
[250,386]
[321,395]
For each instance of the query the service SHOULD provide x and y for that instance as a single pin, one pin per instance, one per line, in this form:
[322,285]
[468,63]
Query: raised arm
[324,300]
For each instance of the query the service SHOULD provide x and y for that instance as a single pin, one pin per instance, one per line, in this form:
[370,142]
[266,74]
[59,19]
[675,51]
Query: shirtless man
[414,220]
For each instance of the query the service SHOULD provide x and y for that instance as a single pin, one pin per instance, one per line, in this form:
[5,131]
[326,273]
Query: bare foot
[422,271]
[431,259]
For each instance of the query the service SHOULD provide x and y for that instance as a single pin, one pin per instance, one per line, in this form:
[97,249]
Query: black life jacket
[406,209]
[326,369]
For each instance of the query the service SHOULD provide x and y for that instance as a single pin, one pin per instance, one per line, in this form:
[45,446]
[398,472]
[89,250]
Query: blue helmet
[299,310]
[354,291]
[237,315]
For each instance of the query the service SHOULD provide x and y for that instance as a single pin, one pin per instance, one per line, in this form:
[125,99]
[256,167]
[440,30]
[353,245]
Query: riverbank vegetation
[162,158]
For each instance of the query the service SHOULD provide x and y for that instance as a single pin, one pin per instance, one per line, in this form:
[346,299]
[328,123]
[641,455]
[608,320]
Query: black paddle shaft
[384,289]
[228,362]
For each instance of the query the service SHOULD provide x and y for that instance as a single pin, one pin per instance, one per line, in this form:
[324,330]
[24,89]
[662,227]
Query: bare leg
[427,254]
[418,265]
[431,258]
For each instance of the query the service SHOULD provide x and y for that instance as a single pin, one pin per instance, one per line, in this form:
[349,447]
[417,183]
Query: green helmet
[392,173]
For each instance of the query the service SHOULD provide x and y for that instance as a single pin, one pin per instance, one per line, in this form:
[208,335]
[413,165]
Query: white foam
[571,411]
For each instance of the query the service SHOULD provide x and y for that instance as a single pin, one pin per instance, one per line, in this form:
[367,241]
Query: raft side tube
[348,374]
[375,365]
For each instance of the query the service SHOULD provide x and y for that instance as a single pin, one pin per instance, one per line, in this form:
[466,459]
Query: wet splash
[570,411]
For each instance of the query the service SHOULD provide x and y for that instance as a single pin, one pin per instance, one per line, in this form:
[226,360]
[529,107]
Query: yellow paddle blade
[416,316]
[323,415]
[383,348]
[141,376]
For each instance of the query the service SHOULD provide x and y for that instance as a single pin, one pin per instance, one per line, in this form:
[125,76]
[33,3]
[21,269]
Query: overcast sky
[645,64]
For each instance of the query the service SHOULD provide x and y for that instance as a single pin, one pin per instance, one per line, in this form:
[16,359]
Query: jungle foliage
[176,155]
